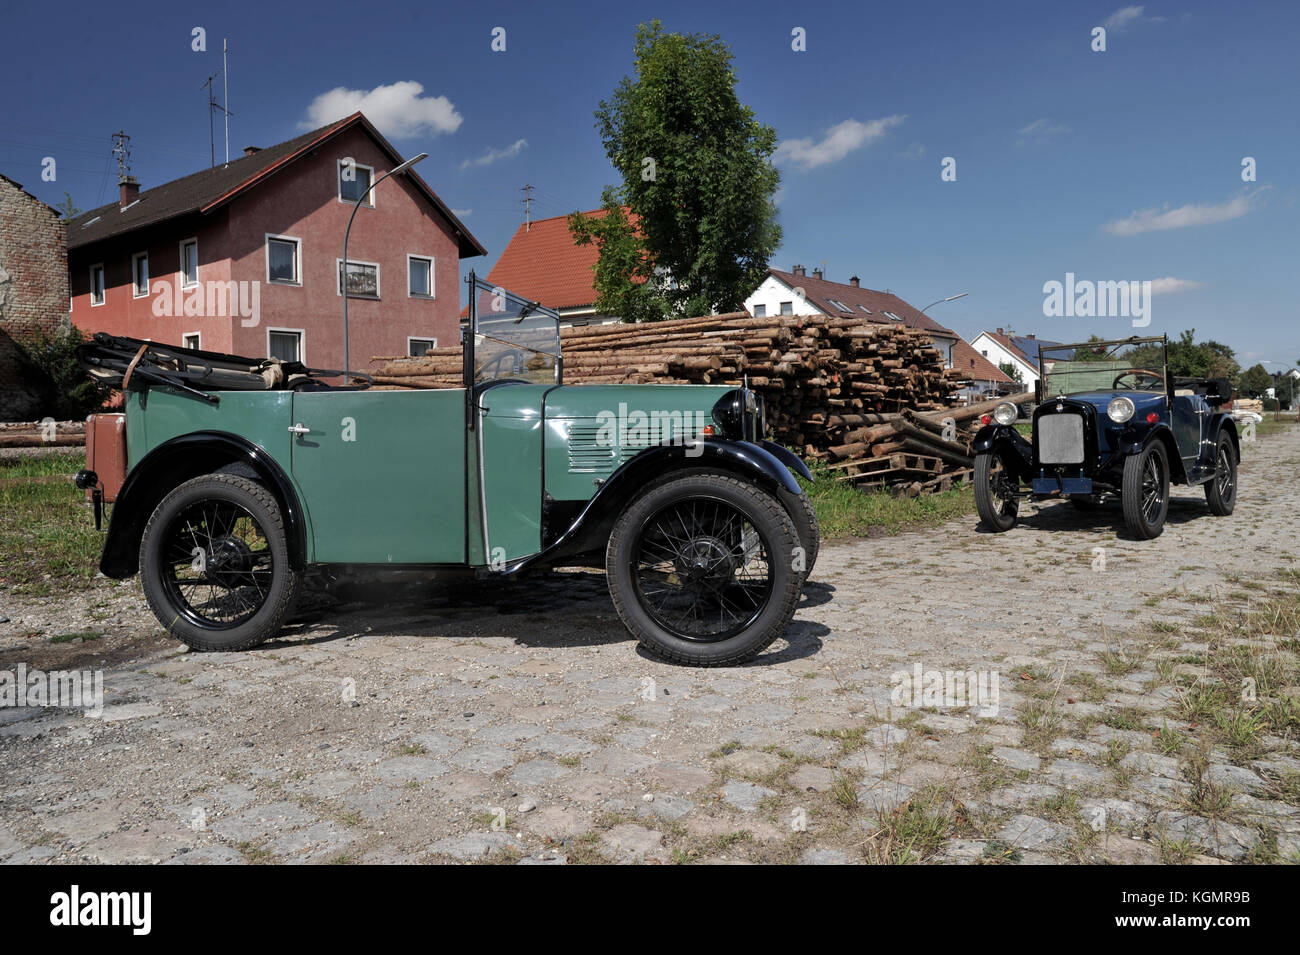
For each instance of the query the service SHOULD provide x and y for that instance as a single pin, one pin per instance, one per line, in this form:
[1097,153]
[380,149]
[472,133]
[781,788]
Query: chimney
[817,273]
[249,150]
[798,270]
[999,331]
[854,282]
[128,191]
[1030,337]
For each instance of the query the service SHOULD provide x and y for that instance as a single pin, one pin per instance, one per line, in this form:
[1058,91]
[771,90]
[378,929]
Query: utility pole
[122,150]
[527,190]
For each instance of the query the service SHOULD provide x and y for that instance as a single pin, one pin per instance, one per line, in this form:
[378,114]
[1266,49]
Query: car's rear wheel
[1146,491]
[1221,490]
[702,571]
[214,562]
[995,492]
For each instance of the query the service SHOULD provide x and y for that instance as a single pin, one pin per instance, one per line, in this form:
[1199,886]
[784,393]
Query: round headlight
[1120,409]
[1006,413]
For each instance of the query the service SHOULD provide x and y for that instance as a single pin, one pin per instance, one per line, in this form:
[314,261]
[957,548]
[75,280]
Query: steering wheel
[1140,374]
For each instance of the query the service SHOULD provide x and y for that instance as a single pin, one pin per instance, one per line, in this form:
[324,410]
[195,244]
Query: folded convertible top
[132,363]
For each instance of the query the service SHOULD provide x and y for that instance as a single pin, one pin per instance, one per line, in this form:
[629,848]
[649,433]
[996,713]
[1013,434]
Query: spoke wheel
[214,562]
[1221,490]
[996,492]
[1146,491]
[703,570]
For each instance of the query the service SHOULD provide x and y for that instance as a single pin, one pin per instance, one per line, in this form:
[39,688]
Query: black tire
[1146,491]
[801,511]
[239,562]
[697,544]
[1221,490]
[991,482]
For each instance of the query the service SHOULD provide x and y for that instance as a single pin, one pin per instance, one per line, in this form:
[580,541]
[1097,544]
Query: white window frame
[419,338]
[338,281]
[103,299]
[297,258]
[432,288]
[302,340]
[197,335]
[135,287]
[180,262]
[338,185]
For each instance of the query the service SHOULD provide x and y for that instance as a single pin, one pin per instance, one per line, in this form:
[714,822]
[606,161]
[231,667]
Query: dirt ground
[519,722]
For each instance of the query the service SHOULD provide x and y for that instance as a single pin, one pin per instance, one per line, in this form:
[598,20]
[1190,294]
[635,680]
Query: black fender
[590,530]
[173,463]
[1135,441]
[1017,453]
[1227,423]
[788,458]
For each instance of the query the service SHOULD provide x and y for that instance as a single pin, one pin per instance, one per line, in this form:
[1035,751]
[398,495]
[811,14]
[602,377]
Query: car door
[1190,418]
[382,475]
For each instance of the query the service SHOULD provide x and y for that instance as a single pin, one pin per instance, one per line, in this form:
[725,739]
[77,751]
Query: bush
[65,391]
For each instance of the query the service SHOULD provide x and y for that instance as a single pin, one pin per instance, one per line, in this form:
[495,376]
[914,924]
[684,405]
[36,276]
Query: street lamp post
[950,298]
[343,279]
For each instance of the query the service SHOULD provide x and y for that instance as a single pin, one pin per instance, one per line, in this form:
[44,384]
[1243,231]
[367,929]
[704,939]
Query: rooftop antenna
[212,105]
[527,190]
[225,95]
[122,150]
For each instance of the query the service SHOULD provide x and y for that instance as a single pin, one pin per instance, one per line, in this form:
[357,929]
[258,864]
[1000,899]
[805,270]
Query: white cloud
[840,140]
[1125,16]
[1039,132]
[492,155]
[1170,286]
[1192,214]
[914,151]
[398,110]
[462,213]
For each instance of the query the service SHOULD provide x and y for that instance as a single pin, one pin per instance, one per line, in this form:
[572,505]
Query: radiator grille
[1060,439]
[590,451]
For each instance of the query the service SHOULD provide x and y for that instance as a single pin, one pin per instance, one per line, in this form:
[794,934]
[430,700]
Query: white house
[797,293]
[1019,351]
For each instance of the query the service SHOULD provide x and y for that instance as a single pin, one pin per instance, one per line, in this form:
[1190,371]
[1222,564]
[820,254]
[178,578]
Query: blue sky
[1121,165]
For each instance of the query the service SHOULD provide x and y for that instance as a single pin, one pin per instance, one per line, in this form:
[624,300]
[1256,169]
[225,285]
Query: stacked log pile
[42,434]
[867,399]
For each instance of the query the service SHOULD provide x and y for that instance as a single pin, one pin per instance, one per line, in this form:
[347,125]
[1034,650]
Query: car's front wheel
[702,569]
[214,561]
[995,492]
[1146,491]
[1221,490]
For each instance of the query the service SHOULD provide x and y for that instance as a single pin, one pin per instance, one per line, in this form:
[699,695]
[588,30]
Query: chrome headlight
[1120,409]
[1006,413]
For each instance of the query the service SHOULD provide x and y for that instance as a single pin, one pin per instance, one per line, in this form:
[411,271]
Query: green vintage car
[234,482]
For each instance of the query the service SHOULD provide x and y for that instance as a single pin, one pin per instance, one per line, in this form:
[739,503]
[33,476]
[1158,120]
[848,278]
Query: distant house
[33,290]
[797,293]
[247,257]
[986,378]
[543,263]
[1019,351]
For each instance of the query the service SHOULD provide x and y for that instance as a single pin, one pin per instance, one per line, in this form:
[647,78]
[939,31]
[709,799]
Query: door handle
[299,428]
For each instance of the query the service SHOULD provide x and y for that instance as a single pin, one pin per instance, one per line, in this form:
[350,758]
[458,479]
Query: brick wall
[33,289]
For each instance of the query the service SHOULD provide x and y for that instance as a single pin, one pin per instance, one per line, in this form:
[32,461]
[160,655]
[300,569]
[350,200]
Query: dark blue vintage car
[1110,422]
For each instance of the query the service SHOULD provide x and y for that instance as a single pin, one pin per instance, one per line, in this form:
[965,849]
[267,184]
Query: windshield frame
[1115,349]
[512,324]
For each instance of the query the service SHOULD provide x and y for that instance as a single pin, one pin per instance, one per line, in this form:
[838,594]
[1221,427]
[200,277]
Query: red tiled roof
[544,264]
[209,189]
[975,366]
[820,292]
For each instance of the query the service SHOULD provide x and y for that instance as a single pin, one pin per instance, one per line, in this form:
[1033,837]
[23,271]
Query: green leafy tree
[51,371]
[1189,358]
[1255,380]
[626,283]
[696,171]
[68,207]
[1011,371]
